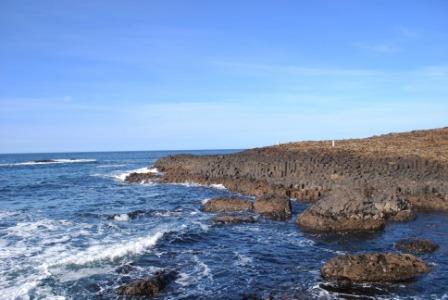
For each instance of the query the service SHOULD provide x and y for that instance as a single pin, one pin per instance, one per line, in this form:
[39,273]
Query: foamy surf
[49,162]
[217,186]
[111,252]
[122,176]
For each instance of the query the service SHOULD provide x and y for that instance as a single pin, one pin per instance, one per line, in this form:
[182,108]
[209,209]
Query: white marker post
[332,143]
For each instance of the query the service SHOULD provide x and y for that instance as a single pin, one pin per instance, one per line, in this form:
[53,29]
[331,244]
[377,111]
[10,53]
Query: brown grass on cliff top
[431,144]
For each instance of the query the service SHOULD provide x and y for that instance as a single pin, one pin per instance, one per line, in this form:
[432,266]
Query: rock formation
[148,287]
[346,208]
[234,219]
[227,205]
[416,246]
[406,169]
[374,267]
[274,207]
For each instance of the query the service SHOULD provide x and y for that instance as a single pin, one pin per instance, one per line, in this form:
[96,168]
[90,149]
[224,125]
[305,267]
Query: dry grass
[430,144]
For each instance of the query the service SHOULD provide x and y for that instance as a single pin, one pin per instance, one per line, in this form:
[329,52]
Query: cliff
[412,166]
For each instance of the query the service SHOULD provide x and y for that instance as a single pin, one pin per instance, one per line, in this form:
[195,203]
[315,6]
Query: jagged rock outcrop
[227,205]
[346,208]
[416,246]
[374,267]
[148,287]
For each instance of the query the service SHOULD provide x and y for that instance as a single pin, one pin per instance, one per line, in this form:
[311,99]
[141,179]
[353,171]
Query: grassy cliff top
[430,144]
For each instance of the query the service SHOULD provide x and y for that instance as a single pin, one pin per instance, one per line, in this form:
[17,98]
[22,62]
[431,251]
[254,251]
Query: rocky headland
[350,185]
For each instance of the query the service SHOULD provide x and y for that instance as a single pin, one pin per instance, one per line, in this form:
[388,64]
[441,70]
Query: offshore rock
[347,208]
[150,286]
[227,205]
[374,267]
[416,246]
[274,207]
[142,177]
[233,219]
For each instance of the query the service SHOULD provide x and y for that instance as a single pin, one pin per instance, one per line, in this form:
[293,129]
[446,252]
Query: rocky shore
[358,184]
[350,185]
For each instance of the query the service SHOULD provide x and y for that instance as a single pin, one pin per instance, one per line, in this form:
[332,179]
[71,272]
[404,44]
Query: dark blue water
[67,231]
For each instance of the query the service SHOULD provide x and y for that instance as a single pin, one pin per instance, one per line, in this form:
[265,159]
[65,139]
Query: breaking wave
[49,162]
[122,176]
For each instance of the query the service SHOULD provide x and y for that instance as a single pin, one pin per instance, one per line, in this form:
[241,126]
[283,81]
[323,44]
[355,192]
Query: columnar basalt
[412,166]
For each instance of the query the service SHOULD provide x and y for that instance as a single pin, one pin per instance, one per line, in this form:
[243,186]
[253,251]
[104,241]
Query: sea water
[71,228]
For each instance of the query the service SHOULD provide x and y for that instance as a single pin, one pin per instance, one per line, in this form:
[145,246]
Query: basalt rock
[227,205]
[233,219]
[274,207]
[142,177]
[361,208]
[148,287]
[374,267]
[407,167]
[416,246]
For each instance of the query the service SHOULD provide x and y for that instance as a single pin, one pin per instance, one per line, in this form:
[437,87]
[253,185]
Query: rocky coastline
[350,185]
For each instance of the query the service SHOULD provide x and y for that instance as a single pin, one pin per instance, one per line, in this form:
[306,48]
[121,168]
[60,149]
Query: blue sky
[147,75]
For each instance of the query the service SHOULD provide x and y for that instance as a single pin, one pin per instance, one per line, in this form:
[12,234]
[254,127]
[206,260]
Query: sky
[152,75]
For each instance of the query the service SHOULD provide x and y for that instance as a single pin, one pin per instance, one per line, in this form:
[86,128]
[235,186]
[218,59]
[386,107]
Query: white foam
[82,273]
[243,260]
[121,218]
[218,186]
[205,200]
[122,176]
[203,269]
[111,251]
[51,161]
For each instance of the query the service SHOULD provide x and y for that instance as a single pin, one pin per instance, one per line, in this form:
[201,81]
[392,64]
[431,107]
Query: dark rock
[359,208]
[227,205]
[233,219]
[374,267]
[142,177]
[340,285]
[406,168]
[148,287]
[416,246]
[274,207]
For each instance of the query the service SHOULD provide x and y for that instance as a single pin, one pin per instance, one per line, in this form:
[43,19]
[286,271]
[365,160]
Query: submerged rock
[347,208]
[227,205]
[374,267]
[274,207]
[148,287]
[233,219]
[416,246]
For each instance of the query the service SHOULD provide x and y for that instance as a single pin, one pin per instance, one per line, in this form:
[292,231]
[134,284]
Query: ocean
[71,228]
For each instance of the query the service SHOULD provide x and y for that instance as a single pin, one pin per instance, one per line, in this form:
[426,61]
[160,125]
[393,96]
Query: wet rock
[148,287]
[44,161]
[274,207]
[227,205]
[233,219]
[340,285]
[416,246]
[361,208]
[142,177]
[374,267]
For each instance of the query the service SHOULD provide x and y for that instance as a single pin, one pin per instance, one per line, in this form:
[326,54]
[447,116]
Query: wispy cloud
[379,48]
